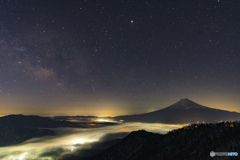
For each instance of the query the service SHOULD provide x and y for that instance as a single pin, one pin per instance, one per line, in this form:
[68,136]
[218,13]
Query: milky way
[124,57]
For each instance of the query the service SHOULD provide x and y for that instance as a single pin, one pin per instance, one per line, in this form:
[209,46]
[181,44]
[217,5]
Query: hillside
[15,129]
[16,135]
[34,121]
[193,142]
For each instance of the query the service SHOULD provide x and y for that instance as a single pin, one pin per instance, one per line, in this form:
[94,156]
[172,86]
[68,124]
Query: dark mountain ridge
[183,112]
[193,142]
[33,121]
[15,129]
[16,135]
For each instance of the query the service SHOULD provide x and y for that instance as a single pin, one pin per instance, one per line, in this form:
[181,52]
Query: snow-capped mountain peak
[185,104]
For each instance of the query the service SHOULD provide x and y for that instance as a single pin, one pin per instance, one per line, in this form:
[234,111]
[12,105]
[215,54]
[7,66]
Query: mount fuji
[182,112]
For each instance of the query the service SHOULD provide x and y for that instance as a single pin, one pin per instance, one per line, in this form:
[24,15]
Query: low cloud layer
[82,142]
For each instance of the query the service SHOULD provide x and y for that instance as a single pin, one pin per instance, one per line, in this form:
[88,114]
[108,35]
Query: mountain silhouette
[185,104]
[15,129]
[34,121]
[193,142]
[182,112]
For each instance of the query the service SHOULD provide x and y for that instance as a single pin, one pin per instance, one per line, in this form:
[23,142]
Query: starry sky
[116,57]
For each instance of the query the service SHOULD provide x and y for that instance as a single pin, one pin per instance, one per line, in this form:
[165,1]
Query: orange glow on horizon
[106,108]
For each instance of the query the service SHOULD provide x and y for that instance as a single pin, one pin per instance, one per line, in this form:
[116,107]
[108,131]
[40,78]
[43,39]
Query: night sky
[116,57]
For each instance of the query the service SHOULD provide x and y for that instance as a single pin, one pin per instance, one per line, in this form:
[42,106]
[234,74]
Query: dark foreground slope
[183,112]
[15,129]
[193,142]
